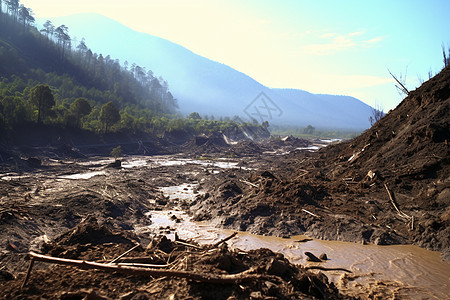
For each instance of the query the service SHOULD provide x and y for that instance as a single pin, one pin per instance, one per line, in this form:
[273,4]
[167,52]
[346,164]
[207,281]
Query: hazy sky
[334,47]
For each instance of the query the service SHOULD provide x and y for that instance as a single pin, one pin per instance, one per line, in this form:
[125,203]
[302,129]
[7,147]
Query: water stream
[380,272]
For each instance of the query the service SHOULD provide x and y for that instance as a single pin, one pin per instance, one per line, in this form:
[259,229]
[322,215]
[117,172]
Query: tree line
[45,80]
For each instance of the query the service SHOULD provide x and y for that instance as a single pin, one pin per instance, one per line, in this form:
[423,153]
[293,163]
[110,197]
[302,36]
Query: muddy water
[378,272]
[165,161]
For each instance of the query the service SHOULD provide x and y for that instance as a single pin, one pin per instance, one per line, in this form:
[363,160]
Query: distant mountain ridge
[209,87]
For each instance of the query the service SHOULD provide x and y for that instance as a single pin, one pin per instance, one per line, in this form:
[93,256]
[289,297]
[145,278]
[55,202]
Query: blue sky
[335,47]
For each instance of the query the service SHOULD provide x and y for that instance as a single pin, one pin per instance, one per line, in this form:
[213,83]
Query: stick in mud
[30,267]
[249,183]
[224,240]
[123,254]
[312,214]
[187,245]
[327,269]
[400,213]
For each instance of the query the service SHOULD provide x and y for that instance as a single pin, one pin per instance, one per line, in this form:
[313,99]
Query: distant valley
[211,88]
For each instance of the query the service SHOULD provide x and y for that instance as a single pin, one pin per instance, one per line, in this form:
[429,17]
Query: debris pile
[99,260]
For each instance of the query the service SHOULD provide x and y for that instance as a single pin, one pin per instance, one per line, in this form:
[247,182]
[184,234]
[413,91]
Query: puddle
[182,192]
[310,148]
[328,141]
[134,163]
[400,272]
[96,162]
[167,161]
[13,177]
[206,163]
[82,175]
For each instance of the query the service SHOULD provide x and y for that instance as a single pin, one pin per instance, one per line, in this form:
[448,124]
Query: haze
[335,47]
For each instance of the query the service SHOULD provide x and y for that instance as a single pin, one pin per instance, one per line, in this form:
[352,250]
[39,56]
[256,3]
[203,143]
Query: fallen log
[210,278]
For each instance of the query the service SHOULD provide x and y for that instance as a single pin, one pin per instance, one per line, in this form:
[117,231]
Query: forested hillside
[85,89]
[48,78]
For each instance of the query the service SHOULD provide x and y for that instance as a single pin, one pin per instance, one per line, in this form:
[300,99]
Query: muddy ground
[390,185]
[45,210]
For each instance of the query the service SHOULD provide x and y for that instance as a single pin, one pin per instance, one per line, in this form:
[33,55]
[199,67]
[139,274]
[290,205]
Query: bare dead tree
[446,59]
[401,86]
[376,114]
[420,79]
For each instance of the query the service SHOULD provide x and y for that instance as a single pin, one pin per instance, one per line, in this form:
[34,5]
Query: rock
[276,267]
[267,174]
[256,295]
[116,164]
[6,276]
[323,256]
[312,257]
[34,162]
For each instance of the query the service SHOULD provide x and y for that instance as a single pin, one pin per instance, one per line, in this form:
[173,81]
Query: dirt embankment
[390,185]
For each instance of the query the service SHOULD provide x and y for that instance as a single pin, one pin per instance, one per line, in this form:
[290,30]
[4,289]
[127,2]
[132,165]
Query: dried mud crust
[343,191]
[272,276]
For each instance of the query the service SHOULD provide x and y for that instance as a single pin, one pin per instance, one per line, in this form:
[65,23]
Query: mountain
[212,88]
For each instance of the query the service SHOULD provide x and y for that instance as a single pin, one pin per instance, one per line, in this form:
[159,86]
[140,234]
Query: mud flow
[366,218]
[402,271]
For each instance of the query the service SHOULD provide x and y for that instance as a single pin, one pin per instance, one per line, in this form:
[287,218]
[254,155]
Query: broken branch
[224,240]
[327,269]
[312,214]
[123,254]
[249,183]
[403,88]
[28,273]
[400,213]
[188,245]
[221,279]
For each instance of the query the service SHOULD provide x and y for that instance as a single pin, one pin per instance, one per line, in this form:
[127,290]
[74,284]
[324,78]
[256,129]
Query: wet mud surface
[87,210]
[388,186]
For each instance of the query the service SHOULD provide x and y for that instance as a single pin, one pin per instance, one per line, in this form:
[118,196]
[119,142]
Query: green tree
[42,97]
[49,29]
[109,115]
[13,8]
[80,108]
[194,116]
[25,14]
[309,129]
[116,152]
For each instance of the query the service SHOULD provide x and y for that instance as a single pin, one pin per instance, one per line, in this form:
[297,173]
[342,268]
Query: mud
[390,185]
[55,211]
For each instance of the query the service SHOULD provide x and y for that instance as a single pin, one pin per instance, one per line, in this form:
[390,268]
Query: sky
[343,47]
